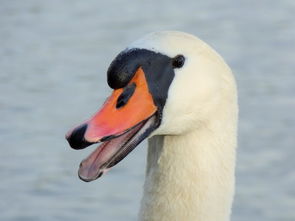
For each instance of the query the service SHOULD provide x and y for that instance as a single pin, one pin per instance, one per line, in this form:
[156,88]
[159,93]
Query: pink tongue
[97,162]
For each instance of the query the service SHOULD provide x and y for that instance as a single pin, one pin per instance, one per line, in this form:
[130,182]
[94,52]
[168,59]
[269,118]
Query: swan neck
[191,177]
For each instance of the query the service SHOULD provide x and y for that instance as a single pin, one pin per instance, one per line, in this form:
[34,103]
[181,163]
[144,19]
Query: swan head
[166,83]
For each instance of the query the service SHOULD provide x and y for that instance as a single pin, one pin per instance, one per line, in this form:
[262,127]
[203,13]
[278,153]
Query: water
[53,60]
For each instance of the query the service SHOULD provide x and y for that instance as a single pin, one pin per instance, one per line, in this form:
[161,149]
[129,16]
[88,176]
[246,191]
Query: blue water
[53,61]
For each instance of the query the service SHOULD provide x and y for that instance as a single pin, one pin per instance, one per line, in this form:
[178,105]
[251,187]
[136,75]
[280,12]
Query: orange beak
[123,110]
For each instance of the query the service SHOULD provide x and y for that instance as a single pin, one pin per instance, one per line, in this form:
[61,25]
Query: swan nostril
[126,95]
[76,138]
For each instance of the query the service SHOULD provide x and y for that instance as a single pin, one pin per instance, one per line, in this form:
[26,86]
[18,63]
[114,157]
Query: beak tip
[76,137]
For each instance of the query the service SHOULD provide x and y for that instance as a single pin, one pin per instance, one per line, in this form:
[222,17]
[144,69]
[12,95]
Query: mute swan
[173,88]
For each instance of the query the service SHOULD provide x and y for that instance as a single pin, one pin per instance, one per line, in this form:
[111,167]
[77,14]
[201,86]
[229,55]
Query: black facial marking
[158,69]
[178,61]
[122,70]
[126,95]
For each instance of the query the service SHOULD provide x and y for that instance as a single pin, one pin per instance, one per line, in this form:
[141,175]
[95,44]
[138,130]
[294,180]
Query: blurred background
[53,61]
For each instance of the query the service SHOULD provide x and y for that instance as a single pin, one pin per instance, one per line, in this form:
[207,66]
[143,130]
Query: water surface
[53,60]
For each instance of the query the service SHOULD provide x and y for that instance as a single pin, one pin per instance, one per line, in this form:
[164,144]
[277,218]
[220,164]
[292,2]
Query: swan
[175,90]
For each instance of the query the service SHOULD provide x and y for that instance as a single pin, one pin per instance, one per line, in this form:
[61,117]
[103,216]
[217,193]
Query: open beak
[127,117]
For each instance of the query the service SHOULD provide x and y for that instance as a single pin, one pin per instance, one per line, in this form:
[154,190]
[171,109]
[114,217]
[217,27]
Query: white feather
[191,157]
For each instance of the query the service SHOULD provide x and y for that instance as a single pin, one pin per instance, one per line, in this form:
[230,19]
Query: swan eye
[178,61]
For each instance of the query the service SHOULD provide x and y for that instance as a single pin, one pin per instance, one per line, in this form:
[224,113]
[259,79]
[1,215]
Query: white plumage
[191,156]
